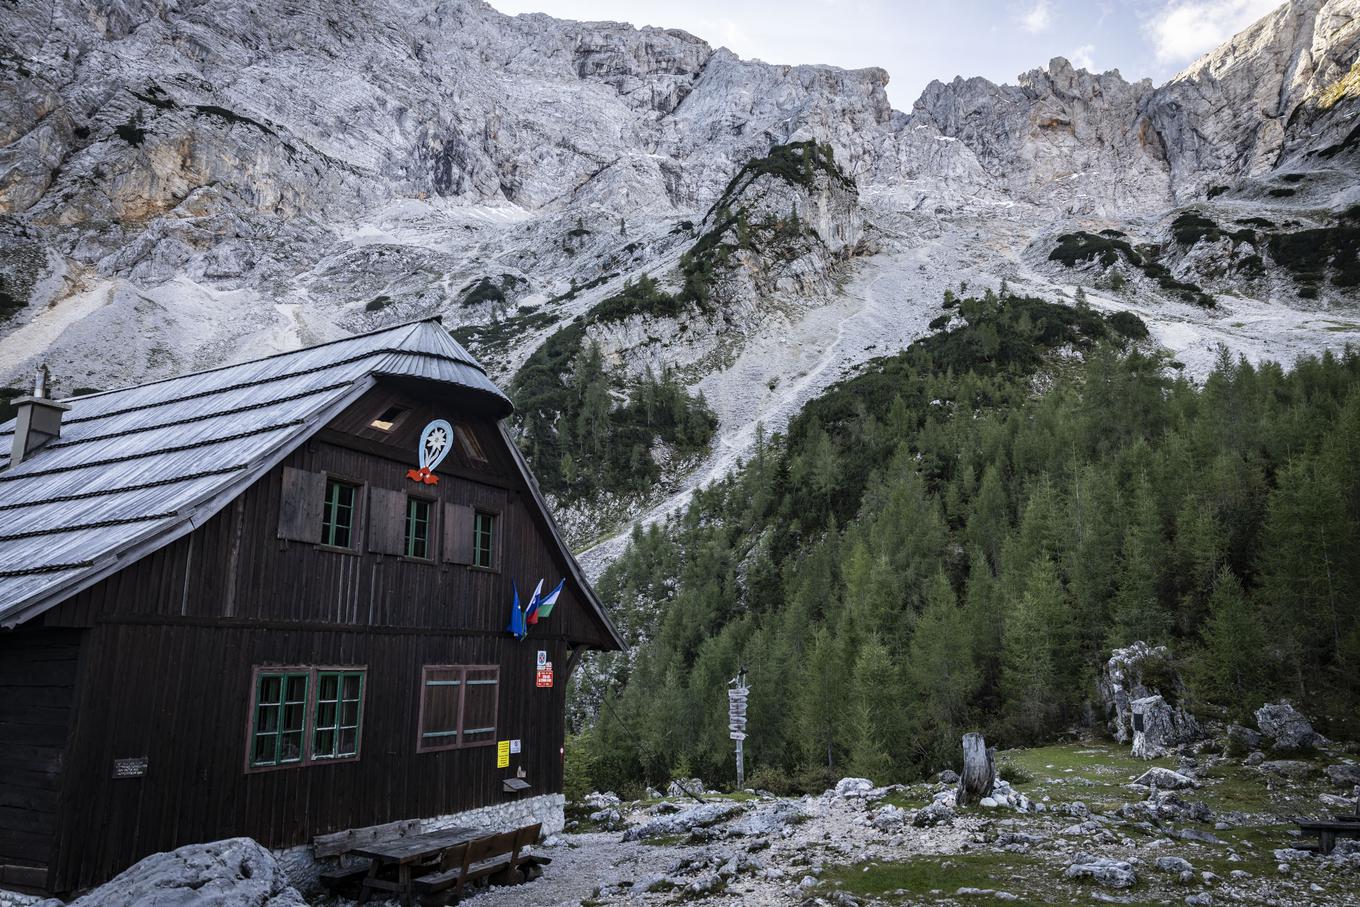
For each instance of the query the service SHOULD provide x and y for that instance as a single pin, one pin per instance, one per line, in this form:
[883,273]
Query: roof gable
[136,468]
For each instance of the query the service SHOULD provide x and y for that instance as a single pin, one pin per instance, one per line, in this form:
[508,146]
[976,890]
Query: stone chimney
[38,419]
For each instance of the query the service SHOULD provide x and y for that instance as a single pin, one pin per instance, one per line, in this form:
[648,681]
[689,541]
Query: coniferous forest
[956,538]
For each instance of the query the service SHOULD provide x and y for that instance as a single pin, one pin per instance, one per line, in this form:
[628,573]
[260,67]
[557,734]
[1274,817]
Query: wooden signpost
[737,693]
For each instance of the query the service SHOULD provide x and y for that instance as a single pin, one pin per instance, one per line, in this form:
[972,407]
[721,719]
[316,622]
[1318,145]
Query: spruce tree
[870,711]
[1233,668]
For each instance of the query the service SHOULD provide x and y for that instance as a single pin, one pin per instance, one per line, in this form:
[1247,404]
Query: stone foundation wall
[304,869]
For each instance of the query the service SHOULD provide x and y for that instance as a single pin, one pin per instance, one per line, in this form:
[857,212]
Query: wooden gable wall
[170,644]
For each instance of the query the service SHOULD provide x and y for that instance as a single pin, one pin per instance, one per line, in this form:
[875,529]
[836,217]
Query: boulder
[1287,768]
[1244,738]
[680,823]
[948,776]
[1102,870]
[608,819]
[853,787]
[1157,727]
[1346,774]
[1136,672]
[597,800]
[934,814]
[1286,727]
[237,872]
[769,819]
[685,787]
[1165,779]
[1174,865]
[887,818]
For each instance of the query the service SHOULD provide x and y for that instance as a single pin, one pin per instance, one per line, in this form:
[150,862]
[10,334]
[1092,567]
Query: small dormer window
[472,448]
[389,418]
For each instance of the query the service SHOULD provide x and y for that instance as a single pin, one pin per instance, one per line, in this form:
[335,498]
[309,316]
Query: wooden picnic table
[1328,830]
[406,854]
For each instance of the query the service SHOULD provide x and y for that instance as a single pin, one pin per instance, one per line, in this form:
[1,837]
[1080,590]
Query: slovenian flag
[517,627]
[533,604]
[543,606]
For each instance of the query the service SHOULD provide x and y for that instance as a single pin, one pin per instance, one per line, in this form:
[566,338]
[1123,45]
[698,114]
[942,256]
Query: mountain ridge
[184,184]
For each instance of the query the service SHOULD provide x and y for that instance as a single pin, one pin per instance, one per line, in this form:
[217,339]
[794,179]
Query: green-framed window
[280,718]
[483,539]
[418,528]
[337,514]
[339,713]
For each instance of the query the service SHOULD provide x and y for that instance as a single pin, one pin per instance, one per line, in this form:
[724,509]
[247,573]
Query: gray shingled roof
[136,468]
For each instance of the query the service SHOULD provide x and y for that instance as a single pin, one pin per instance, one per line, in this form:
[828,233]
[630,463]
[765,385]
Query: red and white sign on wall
[543,678]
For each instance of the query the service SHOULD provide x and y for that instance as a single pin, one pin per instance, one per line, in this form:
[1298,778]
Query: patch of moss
[1216,191]
[1282,192]
[1349,84]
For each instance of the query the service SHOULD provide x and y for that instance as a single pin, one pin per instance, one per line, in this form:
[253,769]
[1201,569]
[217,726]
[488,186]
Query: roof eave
[189,519]
[587,591]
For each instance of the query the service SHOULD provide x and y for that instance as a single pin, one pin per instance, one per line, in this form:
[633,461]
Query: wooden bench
[335,879]
[1328,831]
[498,857]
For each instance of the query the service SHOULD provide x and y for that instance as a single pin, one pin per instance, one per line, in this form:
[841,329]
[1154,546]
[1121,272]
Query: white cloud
[1184,29]
[1037,18]
[1084,57]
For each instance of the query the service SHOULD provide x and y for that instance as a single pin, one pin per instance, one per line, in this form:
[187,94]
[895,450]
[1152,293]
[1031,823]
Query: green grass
[1094,773]
[942,875]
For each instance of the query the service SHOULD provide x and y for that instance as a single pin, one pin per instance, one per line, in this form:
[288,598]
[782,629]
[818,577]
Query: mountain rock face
[184,183]
[1263,100]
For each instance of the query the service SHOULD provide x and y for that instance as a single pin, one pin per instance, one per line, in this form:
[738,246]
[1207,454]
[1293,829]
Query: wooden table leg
[364,887]
[404,880]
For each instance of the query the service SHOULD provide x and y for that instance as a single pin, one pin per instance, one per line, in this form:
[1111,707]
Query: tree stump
[979,770]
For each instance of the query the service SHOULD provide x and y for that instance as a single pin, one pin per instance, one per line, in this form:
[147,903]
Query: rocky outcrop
[1062,137]
[1143,680]
[1286,728]
[236,872]
[1158,727]
[1265,97]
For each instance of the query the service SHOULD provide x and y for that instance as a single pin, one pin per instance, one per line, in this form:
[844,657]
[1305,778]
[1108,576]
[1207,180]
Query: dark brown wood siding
[196,788]
[174,637]
[37,686]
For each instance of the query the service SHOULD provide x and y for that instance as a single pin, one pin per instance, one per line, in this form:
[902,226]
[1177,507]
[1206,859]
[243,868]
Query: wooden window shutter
[458,533]
[386,521]
[300,505]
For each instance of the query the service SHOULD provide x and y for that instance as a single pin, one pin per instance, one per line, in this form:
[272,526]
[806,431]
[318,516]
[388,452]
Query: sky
[939,39]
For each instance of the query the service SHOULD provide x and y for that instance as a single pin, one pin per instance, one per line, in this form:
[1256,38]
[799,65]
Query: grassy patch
[943,874]
[1094,773]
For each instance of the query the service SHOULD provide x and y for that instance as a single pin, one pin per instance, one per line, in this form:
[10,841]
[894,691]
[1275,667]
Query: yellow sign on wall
[502,754]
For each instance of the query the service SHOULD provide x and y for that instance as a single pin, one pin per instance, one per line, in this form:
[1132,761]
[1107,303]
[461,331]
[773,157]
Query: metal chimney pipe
[37,419]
